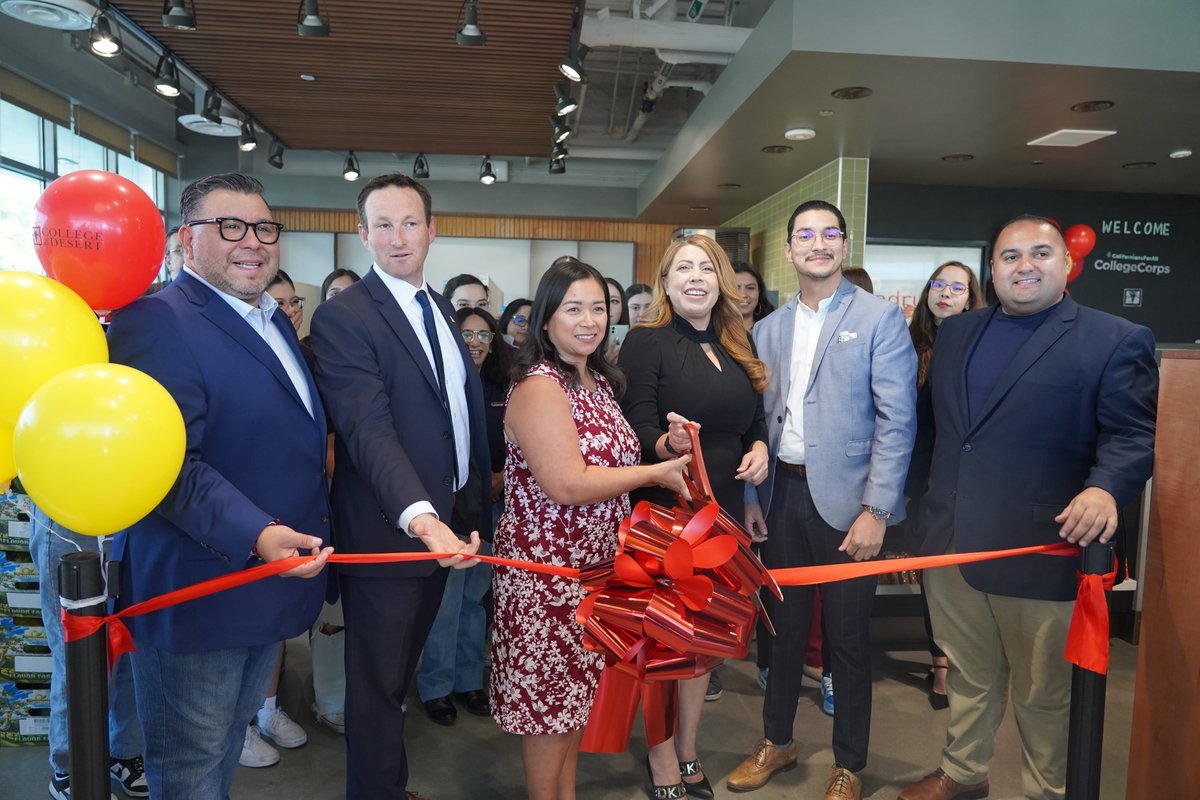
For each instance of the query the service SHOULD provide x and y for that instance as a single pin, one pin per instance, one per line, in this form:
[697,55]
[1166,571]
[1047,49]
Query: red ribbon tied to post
[677,598]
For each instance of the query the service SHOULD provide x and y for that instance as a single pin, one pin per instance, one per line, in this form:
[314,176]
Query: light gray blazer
[859,405]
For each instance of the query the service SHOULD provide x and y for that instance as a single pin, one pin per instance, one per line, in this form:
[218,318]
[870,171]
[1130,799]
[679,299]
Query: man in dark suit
[252,488]
[1044,413]
[407,411]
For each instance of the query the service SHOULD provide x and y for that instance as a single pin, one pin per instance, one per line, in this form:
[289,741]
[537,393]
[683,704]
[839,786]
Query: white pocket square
[846,336]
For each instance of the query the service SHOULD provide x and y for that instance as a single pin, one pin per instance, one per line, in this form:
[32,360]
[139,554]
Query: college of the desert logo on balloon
[72,238]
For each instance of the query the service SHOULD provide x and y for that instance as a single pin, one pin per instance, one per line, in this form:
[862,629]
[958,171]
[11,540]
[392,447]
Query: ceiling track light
[566,104]
[561,129]
[275,157]
[176,15]
[558,166]
[308,20]
[350,170]
[421,167]
[105,40]
[559,152]
[247,142]
[572,63]
[212,106]
[469,34]
[487,175]
[166,77]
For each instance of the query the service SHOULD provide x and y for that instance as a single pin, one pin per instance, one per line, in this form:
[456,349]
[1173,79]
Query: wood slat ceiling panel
[390,77]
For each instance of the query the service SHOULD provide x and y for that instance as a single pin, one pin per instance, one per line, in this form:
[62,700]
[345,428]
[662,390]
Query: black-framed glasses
[293,303]
[484,337]
[519,321]
[956,288]
[233,229]
[806,236]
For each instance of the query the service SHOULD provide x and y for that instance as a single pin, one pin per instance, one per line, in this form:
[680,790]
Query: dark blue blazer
[1074,408]
[393,442]
[253,454]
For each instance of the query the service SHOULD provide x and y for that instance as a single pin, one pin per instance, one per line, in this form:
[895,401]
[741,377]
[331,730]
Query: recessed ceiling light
[1139,165]
[729,186]
[698,208]
[852,92]
[66,15]
[958,157]
[1089,106]
[305,76]
[1182,152]
[825,112]
[799,134]
[1069,137]
[776,149]
[1037,162]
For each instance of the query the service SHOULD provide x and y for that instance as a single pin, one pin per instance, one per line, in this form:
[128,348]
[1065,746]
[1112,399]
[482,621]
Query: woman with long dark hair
[691,359]
[571,461]
[752,290]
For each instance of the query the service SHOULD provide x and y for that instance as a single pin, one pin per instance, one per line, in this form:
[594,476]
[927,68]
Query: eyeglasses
[233,229]
[805,236]
[519,321]
[174,251]
[937,284]
[484,337]
[295,302]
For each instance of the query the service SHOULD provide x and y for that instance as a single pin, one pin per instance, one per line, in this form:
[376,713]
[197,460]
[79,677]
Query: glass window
[18,195]
[75,152]
[139,173]
[22,139]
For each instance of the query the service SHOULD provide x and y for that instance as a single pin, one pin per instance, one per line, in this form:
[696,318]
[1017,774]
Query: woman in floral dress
[571,462]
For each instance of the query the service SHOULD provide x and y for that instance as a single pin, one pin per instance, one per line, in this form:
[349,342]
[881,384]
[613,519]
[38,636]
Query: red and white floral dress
[543,681]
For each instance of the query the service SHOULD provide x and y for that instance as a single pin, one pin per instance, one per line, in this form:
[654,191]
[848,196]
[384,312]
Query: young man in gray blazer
[841,422]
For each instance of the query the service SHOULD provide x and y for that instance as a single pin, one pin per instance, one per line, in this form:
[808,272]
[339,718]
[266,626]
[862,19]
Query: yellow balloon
[8,467]
[45,328]
[98,446]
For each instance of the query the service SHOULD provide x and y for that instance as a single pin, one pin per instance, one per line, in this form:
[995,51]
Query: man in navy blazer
[1044,415]
[407,410]
[841,422]
[252,488]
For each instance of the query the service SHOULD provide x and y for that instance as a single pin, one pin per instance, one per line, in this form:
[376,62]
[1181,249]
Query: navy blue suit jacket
[394,439]
[253,454]
[1074,408]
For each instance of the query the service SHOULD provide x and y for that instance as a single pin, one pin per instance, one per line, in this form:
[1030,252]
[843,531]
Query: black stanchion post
[80,578]
[1086,736]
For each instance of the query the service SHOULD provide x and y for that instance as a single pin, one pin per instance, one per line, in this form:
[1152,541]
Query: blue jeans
[48,543]
[452,660]
[194,709]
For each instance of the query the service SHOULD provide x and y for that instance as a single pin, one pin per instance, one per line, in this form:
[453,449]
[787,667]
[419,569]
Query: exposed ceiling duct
[654,34]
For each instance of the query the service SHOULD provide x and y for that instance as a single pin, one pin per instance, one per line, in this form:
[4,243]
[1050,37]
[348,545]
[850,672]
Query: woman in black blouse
[691,359]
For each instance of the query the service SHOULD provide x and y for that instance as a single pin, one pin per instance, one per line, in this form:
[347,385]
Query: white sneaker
[336,721]
[256,752]
[279,728]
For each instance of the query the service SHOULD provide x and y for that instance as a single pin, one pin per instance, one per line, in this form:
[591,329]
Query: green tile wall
[842,182]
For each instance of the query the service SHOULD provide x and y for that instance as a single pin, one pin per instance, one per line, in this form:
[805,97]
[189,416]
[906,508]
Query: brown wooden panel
[1164,746]
[649,239]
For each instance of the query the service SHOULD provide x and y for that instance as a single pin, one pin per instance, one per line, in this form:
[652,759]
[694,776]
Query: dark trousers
[387,620]
[798,537]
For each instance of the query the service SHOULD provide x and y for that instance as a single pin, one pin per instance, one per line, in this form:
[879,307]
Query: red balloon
[1080,240]
[101,235]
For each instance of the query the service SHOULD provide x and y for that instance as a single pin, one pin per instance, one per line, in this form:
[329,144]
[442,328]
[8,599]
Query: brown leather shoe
[757,769]
[939,786]
[843,785]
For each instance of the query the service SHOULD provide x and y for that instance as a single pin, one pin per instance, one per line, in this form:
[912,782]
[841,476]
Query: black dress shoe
[701,788]
[475,701]
[441,710]
[937,700]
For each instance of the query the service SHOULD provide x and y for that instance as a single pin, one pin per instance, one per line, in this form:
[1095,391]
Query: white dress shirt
[259,319]
[804,348]
[456,377]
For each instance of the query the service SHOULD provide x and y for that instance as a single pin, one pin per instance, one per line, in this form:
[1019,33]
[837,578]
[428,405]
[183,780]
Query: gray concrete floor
[473,759]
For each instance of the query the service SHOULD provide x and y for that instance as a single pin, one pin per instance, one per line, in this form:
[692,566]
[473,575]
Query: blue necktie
[439,367]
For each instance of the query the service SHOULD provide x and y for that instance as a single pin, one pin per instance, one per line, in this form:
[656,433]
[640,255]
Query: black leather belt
[798,469]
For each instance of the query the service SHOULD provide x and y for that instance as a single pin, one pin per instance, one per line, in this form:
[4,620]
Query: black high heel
[676,792]
[937,700]
[701,788]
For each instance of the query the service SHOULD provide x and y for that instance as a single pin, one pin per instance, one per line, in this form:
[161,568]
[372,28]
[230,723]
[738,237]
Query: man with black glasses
[251,489]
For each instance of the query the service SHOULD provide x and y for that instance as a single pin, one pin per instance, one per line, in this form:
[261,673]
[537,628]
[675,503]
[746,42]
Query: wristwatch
[878,513]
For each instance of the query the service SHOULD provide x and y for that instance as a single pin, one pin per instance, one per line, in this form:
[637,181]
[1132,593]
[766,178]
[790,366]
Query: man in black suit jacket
[407,411]
[1044,413]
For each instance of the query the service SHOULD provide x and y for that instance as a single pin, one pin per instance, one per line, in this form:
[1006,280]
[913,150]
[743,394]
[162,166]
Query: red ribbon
[1087,639]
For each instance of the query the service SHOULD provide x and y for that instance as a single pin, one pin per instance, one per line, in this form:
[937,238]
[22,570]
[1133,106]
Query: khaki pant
[999,646]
